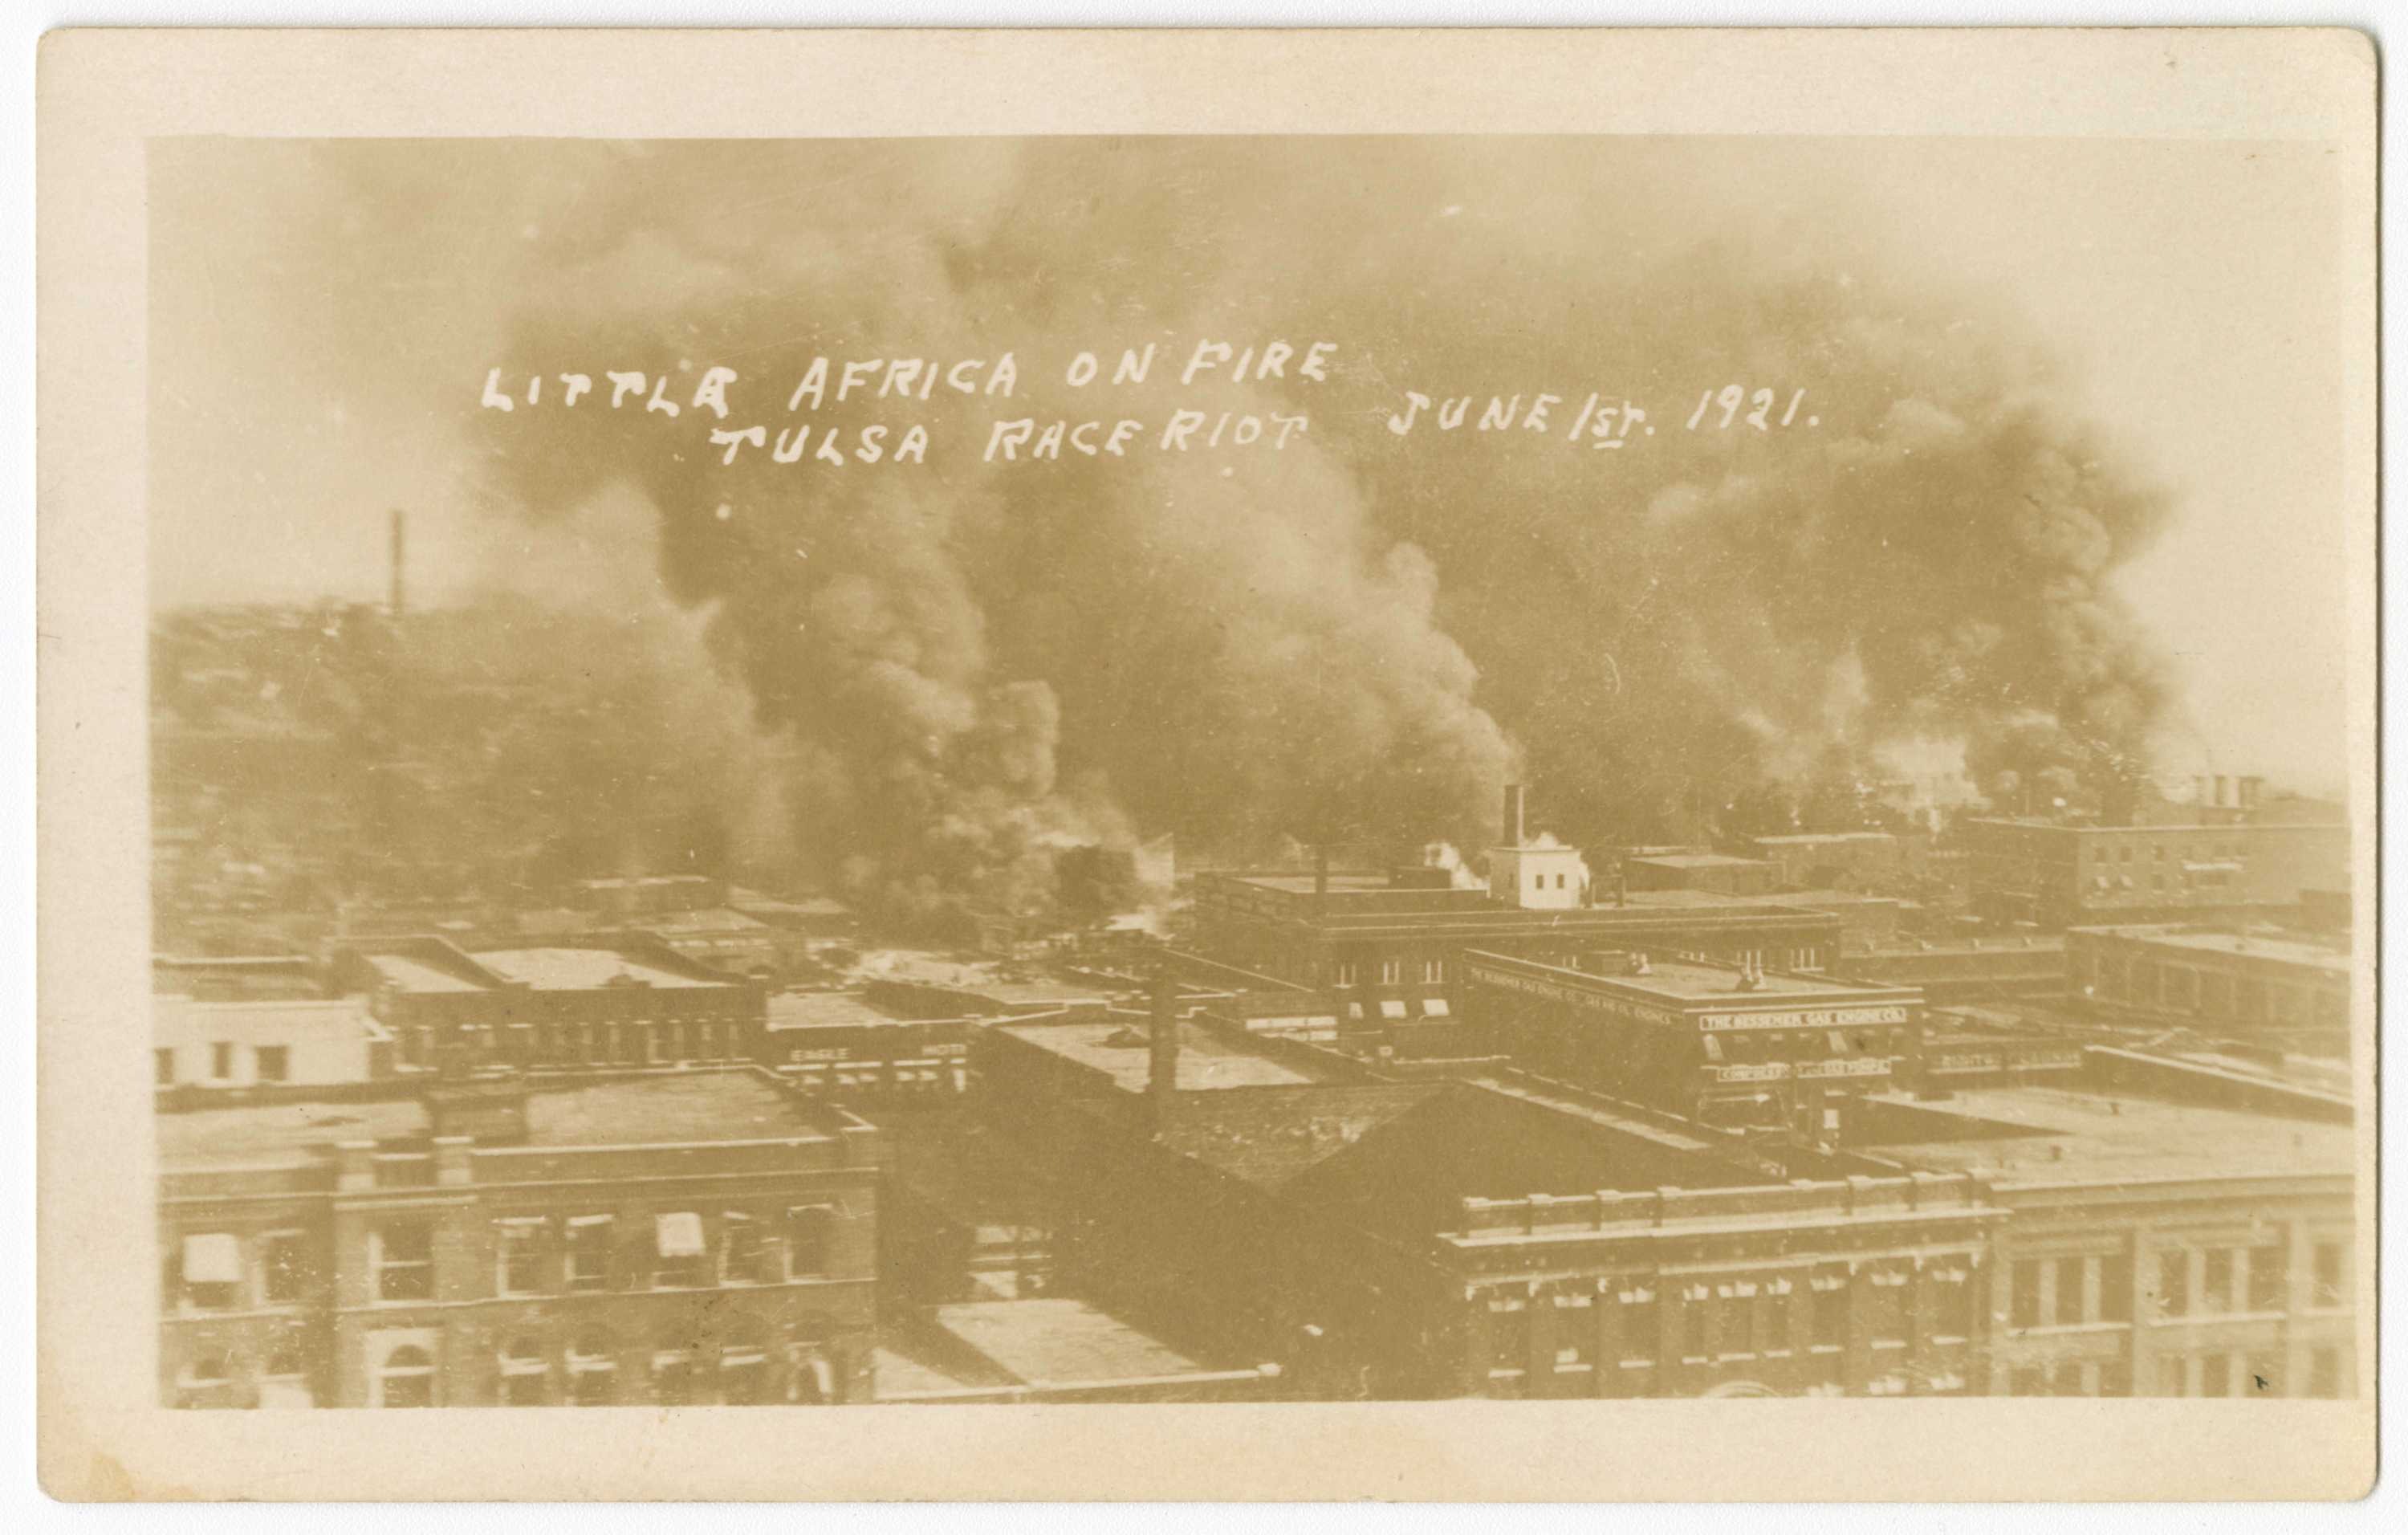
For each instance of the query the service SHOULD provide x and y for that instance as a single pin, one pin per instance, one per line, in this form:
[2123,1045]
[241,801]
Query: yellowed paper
[809,733]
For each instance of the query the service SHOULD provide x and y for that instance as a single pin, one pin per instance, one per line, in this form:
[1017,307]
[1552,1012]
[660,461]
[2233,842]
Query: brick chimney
[1321,869]
[1511,833]
[1162,1046]
[395,604]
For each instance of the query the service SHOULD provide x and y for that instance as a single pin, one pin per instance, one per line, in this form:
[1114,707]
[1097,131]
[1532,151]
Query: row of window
[736,1373]
[2255,1279]
[1347,972]
[1737,1319]
[593,1044]
[2123,852]
[269,1063]
[537,1256]
[2226,1374]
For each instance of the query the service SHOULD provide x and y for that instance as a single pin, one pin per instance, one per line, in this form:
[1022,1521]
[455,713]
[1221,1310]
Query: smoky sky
[1357,636]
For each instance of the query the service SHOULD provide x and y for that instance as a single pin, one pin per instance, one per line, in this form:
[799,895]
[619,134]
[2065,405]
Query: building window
[2022,1304]
[275,1062]
[593,1370]
[283,1268]
[680,1257]
[744,1365]
[2173,1283]
[1739,1323]
[2070,1273]
[2269,1276]
[526,1374]
[2265,1376]
[521,1258]
[203,1381]
[162,1067]
[1575,1333]
[2173,1375]
[1643,1336]
[407,1378]
[2216,1374]
[2065,1380]
[811,1246]
[1433,972]
[1343,974]
[402,1254]
[207,1271]
[2324,1373]
[589,1253]
[221,1061]
[745,1249]
[2027,1383]
[1392,972]
[2116,1288]
[1889,1324]
[1694,1324]
[2331,1289]
[1509,1335]
[2215,1290]
[2116,1378]
[284,1382]
[1953,1310]
[673,1374]
[1830,1312]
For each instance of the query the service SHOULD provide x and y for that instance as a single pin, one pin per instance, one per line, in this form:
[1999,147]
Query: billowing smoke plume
[1361,635]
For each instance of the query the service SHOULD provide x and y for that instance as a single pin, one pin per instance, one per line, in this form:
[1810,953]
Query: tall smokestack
[1512,830]
[1162,1046]
[395,603]
[1321,870]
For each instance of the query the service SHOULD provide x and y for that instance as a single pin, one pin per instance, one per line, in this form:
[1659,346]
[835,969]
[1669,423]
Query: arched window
[407,1378]
[593,1370]
[744,1363]
[527,1373]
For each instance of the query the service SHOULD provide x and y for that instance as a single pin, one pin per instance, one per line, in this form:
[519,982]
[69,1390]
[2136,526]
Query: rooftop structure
[2062,1134]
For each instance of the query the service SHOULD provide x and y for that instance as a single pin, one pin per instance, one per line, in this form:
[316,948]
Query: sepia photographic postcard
[1207,766]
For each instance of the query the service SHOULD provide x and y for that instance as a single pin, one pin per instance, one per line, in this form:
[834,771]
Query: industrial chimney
[1512,836]
[1162,1047]
[394,605]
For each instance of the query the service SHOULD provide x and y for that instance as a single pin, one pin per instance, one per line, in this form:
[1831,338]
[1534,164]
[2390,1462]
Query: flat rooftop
[993,980]
[268,1019]
[1117,1047]
[829,1010]
[1695,860]
[661,1107]
[410,973]
[280,1132]
[1684,981]
[2035,1135]
[583,969]
[1303,884]
[2287,951]
[984,1344]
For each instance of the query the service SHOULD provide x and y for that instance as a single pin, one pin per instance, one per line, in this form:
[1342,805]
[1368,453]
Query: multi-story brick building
[626,1002]
[2278,989]
[694,1237]
[1387,947]
[266,1045]
[1723,1045]
[2160,1240]
[2063,874]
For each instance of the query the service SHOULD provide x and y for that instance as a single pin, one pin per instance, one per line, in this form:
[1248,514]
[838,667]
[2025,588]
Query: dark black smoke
[1359,635]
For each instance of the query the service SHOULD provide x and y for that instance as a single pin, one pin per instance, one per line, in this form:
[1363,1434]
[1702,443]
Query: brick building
[2274,989]
[622,1002]
[287,1042]
[1723,1045]
[695,1236]
[2066,875]
[2161,1238]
